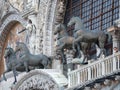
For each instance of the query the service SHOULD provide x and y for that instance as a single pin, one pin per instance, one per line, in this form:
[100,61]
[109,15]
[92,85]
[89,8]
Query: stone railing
[95,70]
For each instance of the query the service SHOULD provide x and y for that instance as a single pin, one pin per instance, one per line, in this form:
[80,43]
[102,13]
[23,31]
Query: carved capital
[114,30]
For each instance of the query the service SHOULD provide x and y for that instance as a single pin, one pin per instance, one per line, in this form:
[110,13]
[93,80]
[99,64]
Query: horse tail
[50,60]
[109,37]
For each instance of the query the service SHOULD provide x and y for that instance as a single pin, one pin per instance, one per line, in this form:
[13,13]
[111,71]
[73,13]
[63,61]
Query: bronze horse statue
[64,41]
[12,63]
[29,59]
[97,37]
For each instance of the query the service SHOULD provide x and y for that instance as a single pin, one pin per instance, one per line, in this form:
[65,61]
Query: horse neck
[25,49]
[79,25]
[64,33]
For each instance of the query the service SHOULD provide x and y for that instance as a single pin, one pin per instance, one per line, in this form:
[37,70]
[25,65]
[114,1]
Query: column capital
[114,30]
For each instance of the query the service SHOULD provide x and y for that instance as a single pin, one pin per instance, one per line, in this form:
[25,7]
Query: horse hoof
[14,82]
[84,63]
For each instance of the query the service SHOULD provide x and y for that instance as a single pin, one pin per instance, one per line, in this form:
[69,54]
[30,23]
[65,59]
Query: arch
[5,26]
[40,80]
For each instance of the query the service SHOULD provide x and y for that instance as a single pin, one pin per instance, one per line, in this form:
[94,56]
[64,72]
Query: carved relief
[4,8]
[36,80]
[60,12]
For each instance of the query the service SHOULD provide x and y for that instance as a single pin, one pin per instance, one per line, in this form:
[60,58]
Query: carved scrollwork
[36,80]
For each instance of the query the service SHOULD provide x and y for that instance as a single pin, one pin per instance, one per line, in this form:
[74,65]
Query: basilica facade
[34,22]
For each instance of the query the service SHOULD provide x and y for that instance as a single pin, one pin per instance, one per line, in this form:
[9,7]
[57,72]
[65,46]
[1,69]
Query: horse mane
[80,21]
[23,45]
[64,28]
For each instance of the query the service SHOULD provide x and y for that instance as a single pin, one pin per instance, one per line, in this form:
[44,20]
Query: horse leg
[18,65]
[73,46]
[15,74]
[84,48]
[4,74]
[26,66]
[63,57]
[62,53]
[102,49]
[78,49]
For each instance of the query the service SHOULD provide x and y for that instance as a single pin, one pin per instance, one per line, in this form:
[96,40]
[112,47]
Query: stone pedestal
[115,32]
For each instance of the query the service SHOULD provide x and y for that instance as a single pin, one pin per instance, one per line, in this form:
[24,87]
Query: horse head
[60,27]
[77,21]
[71,22]
[8,52]
[21,46]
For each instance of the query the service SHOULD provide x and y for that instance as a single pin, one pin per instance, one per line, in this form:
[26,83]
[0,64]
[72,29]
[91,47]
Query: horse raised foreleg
[102,52]
[4,74]
[84,59]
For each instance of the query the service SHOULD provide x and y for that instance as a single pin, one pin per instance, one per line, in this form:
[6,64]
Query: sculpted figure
[60,14]
[64,41]
[30,31]
[29,59]
[98,37]
[12,63]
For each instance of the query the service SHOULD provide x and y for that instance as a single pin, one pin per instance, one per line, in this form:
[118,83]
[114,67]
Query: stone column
[115,32]
[69,58]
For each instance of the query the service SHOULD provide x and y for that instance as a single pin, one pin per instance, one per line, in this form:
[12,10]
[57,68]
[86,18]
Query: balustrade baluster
[89,73]
[103,68]
[81,76]
[114,63]
[78,77]
[69,80]
[119,62]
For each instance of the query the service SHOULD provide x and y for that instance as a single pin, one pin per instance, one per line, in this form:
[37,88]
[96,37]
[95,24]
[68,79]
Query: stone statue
[30,31]
[64,41]
[12,63]
[98,37]
[29,59]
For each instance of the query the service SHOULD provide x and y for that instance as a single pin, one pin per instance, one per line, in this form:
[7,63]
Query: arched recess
[39,80]
[5,27]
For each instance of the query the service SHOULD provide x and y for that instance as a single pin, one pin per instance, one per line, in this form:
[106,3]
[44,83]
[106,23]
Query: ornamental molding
[37,80]
[8,22]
